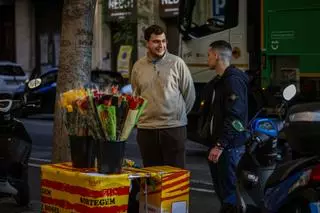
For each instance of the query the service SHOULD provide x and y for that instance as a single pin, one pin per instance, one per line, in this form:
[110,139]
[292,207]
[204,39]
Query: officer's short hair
[223,48]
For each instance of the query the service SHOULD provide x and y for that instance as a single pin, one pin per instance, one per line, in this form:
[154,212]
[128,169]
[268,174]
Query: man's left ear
[217,56]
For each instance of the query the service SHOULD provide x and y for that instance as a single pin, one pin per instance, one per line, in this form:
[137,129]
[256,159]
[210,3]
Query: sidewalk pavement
[8,205]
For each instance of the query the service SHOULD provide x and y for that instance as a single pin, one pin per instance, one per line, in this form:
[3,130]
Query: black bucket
[82,151]
[110,156]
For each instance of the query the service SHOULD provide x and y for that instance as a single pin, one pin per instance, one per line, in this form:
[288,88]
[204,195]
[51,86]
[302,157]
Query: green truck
[290,45]
[278,40]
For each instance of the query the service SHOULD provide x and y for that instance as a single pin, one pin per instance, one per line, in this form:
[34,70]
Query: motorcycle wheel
[23,197]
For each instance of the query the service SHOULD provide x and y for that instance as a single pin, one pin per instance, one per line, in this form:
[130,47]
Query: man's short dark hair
[221,44]
[153,29]
[223,48]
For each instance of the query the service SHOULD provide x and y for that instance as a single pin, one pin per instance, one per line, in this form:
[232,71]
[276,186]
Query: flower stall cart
[98,178]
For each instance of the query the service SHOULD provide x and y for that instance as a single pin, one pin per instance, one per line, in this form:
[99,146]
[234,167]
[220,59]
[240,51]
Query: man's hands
[214,154]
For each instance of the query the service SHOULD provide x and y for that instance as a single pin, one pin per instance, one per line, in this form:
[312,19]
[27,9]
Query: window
[49,78]
[11,70]
[209,16]
[217,14]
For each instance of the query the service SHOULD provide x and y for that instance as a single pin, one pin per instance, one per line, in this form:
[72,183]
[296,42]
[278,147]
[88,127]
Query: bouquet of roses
[104,114]
[117,113]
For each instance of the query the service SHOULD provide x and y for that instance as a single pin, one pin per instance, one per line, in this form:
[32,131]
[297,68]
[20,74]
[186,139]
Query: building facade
[30,31]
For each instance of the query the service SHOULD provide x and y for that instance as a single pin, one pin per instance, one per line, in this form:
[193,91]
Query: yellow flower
[69,97]
[69,108]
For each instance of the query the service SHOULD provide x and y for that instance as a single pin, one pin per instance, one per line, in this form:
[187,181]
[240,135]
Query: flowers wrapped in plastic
[107,116]
[73,115]
[118,114]
[75,118]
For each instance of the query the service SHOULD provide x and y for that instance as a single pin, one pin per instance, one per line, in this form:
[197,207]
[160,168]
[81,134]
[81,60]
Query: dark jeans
[223,173]
[160,147]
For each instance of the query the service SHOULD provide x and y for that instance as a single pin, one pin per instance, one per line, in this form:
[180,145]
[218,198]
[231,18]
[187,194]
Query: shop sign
[120,9]
[169,8]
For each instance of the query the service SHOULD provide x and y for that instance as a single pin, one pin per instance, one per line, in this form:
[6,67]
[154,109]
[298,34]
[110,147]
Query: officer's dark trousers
[163,146]
[223,173]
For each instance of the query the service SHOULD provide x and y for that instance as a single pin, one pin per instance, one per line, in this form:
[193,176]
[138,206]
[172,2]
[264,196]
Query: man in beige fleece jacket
[165,81]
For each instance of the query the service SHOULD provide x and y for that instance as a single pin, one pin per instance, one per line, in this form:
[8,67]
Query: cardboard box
[65,189]
[167,191]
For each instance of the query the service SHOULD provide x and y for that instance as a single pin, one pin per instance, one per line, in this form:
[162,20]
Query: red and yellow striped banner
[66,189]
[171,187]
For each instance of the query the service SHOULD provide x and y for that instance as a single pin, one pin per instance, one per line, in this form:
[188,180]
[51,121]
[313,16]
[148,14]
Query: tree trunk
[75,63]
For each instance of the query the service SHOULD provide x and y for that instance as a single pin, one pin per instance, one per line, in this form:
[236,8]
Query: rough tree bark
[75,63]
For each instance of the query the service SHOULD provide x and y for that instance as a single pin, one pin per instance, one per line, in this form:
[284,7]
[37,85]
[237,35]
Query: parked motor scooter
[293,186]
[15,149]
[260,159]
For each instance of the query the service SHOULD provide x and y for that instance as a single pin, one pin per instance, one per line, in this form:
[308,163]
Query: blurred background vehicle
[15,150]
[12,76]
[39,92]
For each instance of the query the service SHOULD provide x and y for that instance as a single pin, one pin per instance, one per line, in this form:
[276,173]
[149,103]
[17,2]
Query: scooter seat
[286,169]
